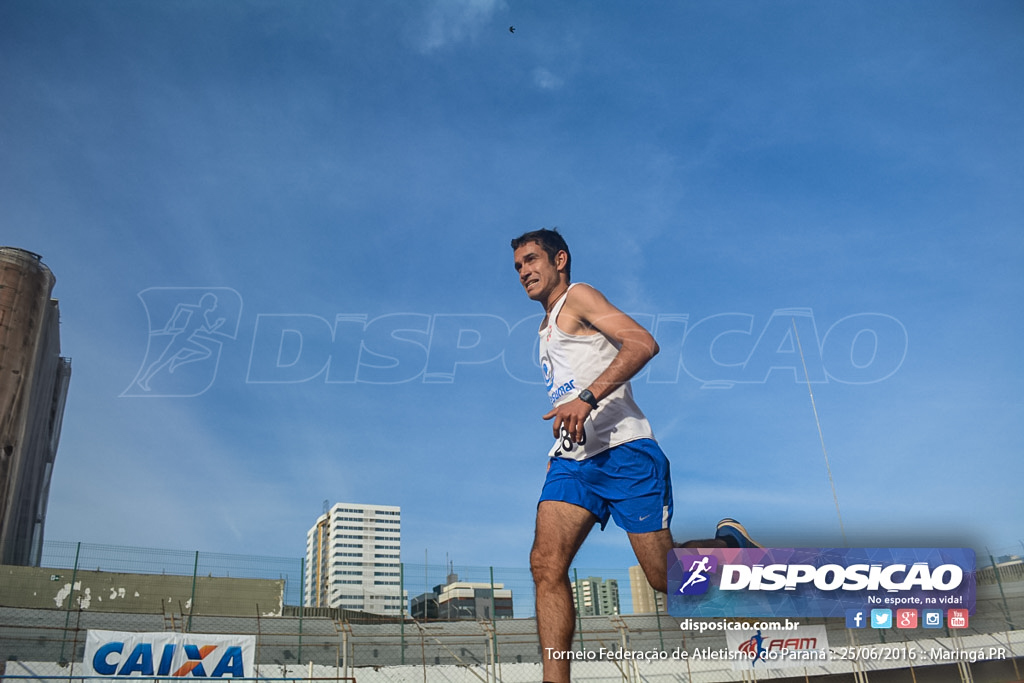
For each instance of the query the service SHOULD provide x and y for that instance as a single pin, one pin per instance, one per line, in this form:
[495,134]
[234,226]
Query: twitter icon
[881,618]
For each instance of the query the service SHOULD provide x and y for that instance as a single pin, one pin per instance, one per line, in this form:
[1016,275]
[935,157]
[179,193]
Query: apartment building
[353,559]
[595,596]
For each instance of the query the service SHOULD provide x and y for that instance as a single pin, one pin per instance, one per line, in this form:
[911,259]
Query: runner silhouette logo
[695,575]
[188,327]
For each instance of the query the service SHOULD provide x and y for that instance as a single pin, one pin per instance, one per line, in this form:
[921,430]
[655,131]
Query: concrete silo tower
[33,388]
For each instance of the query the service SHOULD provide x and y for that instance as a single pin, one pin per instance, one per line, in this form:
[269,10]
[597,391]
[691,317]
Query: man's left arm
[636,347]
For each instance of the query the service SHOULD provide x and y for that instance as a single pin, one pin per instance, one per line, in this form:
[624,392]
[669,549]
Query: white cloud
[546,80]
[453,21]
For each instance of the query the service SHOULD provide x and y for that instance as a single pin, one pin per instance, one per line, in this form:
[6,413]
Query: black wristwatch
[588,397]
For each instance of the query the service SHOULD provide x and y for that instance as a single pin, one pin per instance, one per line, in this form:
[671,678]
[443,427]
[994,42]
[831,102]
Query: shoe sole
[731,523]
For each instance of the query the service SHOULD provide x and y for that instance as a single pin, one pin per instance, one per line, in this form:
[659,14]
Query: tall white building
[353,559]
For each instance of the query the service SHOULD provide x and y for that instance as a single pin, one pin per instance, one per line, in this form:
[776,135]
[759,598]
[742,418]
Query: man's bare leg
[561,530]
[652,553]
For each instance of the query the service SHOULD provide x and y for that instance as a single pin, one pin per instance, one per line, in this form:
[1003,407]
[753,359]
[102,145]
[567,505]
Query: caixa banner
[817,582]
[202,655]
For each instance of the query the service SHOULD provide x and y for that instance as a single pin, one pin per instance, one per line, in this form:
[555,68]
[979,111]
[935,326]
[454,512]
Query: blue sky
[348,175]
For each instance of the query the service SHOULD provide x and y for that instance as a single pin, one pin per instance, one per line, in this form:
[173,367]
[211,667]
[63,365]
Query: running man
[604,462]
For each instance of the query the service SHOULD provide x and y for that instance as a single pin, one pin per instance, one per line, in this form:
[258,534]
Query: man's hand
[569,415]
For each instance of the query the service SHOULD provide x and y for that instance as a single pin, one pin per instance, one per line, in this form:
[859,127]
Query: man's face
[538,275]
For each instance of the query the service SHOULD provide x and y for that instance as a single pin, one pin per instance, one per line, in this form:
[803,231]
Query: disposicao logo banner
[817,582]
[116,653]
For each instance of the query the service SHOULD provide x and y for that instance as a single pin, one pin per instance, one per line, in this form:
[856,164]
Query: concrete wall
[139,593]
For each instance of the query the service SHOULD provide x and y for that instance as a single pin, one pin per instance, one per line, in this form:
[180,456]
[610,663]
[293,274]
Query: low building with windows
[463,600]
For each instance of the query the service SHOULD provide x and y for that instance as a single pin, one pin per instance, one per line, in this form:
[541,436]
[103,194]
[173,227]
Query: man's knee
[658,581]
[545,566]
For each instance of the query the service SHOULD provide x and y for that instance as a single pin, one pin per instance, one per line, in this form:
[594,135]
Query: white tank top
[571,363]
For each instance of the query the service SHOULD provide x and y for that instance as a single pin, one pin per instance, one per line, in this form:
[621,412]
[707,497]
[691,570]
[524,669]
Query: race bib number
[566,447]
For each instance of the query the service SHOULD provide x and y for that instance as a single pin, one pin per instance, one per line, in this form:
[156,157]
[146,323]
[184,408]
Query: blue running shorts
[629,482]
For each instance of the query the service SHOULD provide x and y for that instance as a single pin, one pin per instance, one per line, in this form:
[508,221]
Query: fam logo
[754,648]
[188,327]
[696,569]
[777,648]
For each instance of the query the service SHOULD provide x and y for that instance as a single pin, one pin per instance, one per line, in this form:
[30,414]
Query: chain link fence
[45,614]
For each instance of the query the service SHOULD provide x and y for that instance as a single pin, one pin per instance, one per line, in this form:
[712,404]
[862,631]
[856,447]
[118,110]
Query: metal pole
[302,569]
[494,624]
[192,600]
[401,593]
[71,595]
[657,615]
[74,647]
[259,632]
[423,652]
[999,582]
[579,607]
[345,648]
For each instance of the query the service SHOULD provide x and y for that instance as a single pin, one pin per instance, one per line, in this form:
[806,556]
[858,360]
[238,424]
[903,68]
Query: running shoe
[734,535]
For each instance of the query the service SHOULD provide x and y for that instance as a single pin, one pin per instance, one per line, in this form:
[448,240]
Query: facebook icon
[855,618]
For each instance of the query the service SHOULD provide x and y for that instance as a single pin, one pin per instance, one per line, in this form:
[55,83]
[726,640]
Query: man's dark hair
[551,241]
